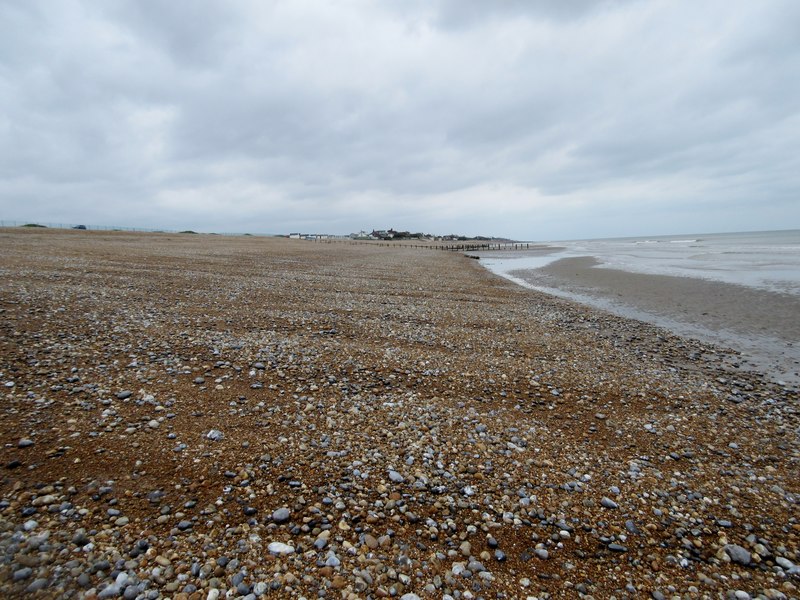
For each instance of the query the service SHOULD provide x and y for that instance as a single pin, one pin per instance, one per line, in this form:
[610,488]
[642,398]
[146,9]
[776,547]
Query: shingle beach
[199,417]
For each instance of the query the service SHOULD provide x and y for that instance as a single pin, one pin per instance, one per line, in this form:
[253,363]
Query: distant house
[294,236]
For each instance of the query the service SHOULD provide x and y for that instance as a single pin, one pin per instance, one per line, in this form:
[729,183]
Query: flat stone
[37,585]
[608,503]
[614,547]
[280,548]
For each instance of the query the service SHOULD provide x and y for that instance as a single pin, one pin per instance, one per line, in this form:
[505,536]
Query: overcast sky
[533,119]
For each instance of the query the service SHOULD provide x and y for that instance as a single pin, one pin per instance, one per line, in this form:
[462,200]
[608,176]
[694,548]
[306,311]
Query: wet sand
[196,417]
[764,326]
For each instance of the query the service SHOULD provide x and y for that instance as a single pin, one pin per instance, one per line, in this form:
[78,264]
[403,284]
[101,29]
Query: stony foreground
[205,417]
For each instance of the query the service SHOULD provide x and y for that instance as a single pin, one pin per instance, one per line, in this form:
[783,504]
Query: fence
[483,247]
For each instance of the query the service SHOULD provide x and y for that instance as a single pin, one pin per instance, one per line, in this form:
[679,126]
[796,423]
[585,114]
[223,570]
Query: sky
[528,119]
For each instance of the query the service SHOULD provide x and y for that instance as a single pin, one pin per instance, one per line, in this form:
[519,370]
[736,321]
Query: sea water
[768,260]
[764,261]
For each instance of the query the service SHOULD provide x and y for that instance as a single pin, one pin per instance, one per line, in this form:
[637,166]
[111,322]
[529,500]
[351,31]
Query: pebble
[738,554]
[260,588]
[37,585]
[215,435]
[280,548]
[281,515]
[608,503]
[617,547]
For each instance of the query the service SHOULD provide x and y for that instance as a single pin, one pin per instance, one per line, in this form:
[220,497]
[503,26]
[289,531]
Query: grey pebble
[111,591]
[36,585]
[131,592]
[281,515]
[738,554]
[260,588]
[608,503]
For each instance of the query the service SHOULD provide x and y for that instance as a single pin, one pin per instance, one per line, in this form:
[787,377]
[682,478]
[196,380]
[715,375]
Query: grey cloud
[300,116]
[466,13]
[192,34]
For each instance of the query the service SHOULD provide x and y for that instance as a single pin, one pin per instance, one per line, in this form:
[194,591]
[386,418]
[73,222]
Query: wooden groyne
[485,247]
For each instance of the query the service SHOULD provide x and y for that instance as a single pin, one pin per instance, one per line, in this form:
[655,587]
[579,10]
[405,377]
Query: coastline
[762,325]
[388,421]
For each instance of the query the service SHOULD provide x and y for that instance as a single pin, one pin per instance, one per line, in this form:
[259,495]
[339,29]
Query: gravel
[397,423]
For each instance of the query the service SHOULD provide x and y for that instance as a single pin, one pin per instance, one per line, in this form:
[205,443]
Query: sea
[752,266]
